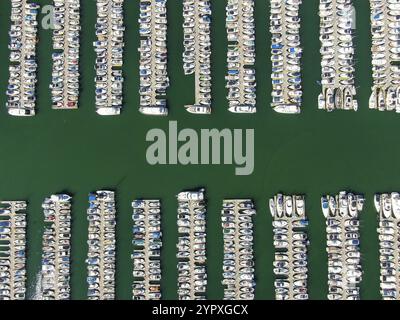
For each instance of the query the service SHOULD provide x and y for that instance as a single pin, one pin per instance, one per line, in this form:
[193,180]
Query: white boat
[391,99]
[333,205]
[288,201]
[398,100]
[386,206]
[372,100]
[343,204]
[155,111]
[330,100]
[17,112]
[325,206]
[300,206]
[288,109]
[106,111]
[377,202]
[360,202]
[352,205]
[338,98]
[272,207]
[395,196]
[191,195]
[279,205]
[243,109]
[60,197]
[381,101]
[198,109]
[321,102]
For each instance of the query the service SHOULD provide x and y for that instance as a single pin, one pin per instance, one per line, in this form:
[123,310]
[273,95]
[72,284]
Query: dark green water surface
[313,153]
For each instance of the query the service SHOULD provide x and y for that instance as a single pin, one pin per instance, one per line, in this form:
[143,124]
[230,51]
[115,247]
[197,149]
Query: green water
[313,153]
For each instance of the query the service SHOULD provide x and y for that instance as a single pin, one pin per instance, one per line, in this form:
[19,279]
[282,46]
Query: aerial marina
[387,206]
[55,271]
[154,80]
[197,52]
[158,63]
[337,50]
[191,246]
[100,261]
[12,250]
[21,89]
[66,43]
[238,264]
[241,56]
[286,53]
[385,56]
[147,241]
[343,244]
[109,49]
[291,243]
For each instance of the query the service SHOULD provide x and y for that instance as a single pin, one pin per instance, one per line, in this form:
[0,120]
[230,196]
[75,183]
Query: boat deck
[242,48]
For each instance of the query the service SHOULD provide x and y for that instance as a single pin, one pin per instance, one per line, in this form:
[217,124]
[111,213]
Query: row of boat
[197,52]
[385,29]
[154,80]
[101,215]
[238,264]
[21,89]
[286,56]
[388,208]
[66,43]
[343,244]
[290,242]
[56,248]
[147,249]
[241,56]
[109,48]
[12,250]
[337,50]
[191,220]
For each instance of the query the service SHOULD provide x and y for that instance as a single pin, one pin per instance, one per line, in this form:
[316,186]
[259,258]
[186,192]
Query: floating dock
[147,240]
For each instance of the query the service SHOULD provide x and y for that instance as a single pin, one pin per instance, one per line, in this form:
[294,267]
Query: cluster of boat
[21,89]
[290,242]
[343,244]
[109,49]
[191,220]
[65,75]
[197,51]
[337,50]
[286,56]
[388,208]
[12,250]
[238,264]
[56,250]
[154,80]
[241,56]
[290,264]
[385,28]
[146,255]
[102,245]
